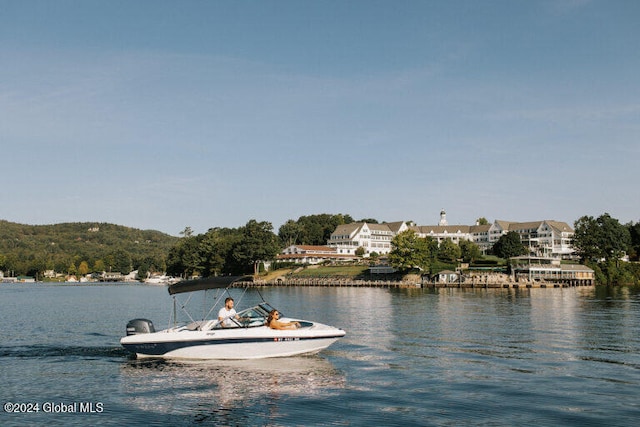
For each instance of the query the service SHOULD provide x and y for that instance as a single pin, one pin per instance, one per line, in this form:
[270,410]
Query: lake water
[447,357]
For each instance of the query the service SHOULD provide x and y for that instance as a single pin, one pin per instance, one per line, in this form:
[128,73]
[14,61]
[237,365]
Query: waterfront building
[111,276]
[456,233]
[347,238]
[545,269]
[546,238]
[309,254]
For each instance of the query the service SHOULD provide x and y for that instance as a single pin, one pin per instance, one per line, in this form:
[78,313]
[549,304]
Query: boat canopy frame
[219,283]
[214,282]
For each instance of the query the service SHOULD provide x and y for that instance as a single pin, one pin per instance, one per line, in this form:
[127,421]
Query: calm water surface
[449,357]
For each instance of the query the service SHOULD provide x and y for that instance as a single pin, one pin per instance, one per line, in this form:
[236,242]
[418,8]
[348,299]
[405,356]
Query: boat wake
[45,351]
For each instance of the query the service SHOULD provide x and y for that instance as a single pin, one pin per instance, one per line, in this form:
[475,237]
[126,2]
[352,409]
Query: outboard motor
[140,326]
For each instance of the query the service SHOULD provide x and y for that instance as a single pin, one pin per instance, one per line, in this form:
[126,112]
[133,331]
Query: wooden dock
[333,283]
[507,285]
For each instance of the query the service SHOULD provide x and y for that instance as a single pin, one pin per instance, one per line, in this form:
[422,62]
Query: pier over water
[479,282]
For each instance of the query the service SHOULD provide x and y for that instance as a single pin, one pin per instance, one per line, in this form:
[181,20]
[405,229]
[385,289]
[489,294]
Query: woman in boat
[274,323]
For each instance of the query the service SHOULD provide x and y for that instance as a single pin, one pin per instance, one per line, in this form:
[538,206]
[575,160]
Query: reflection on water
[171,387]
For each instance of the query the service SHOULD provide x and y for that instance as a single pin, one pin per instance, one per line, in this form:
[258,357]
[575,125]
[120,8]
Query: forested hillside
[80,248]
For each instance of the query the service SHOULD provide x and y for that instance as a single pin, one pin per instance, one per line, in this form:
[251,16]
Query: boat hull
[234,343]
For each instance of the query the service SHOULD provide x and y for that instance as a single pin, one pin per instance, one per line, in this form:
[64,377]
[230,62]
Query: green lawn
[324,271]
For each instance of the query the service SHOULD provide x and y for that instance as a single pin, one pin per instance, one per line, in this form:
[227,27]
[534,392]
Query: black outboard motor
[140,326]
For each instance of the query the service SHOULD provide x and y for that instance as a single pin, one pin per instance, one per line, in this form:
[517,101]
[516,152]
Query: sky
[171,114]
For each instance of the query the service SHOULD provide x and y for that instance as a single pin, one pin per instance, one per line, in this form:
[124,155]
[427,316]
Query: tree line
[224,251]
[603,243]
[81,248]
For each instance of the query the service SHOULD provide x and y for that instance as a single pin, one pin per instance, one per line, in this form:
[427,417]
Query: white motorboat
[247,337]
[162,279]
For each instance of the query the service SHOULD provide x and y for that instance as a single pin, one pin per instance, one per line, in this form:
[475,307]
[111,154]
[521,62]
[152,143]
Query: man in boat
[227,314]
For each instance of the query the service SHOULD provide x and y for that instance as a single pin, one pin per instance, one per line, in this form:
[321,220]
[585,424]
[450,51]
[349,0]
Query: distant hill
[30,249]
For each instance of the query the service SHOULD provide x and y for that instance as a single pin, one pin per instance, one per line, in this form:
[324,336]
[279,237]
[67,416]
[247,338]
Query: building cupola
[443,218]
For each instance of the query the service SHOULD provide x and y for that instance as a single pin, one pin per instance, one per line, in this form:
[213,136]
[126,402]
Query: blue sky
[167,114]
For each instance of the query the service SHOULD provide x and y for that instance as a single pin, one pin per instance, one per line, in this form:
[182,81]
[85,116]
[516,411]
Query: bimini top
[216,282]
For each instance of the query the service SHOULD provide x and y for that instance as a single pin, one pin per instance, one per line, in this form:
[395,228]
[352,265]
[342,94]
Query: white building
[478,234]
[456,233]
[548,238]
[308,254]
[545,238]
[347,238]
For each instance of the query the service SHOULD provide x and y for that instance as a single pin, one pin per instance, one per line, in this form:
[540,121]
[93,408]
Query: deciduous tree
[509,245]
[83,268]
[184,258]
[634,232]
[409,251]
[311,229]
[257,243]
[449,251]
[600,238]
[290,233]
[469,251]
[215,250]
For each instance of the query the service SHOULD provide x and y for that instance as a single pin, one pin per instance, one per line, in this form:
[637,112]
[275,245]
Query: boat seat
[197,325]
[210,324]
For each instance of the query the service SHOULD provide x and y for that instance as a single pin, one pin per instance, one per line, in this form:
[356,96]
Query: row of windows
[479,238]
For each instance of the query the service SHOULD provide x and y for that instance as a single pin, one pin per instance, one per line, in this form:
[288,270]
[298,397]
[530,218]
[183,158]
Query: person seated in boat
[227,314]
[273,321]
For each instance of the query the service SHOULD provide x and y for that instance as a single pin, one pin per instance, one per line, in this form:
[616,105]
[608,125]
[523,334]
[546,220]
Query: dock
[332,283]
[508,285]
[389,284]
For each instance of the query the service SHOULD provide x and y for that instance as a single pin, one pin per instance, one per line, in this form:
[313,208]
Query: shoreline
[356,283]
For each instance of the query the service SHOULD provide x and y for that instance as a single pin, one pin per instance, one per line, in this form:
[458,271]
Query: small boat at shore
[160,280]
[243,336]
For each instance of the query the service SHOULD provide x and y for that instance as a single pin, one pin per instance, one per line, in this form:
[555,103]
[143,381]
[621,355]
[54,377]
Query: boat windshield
[250,317]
